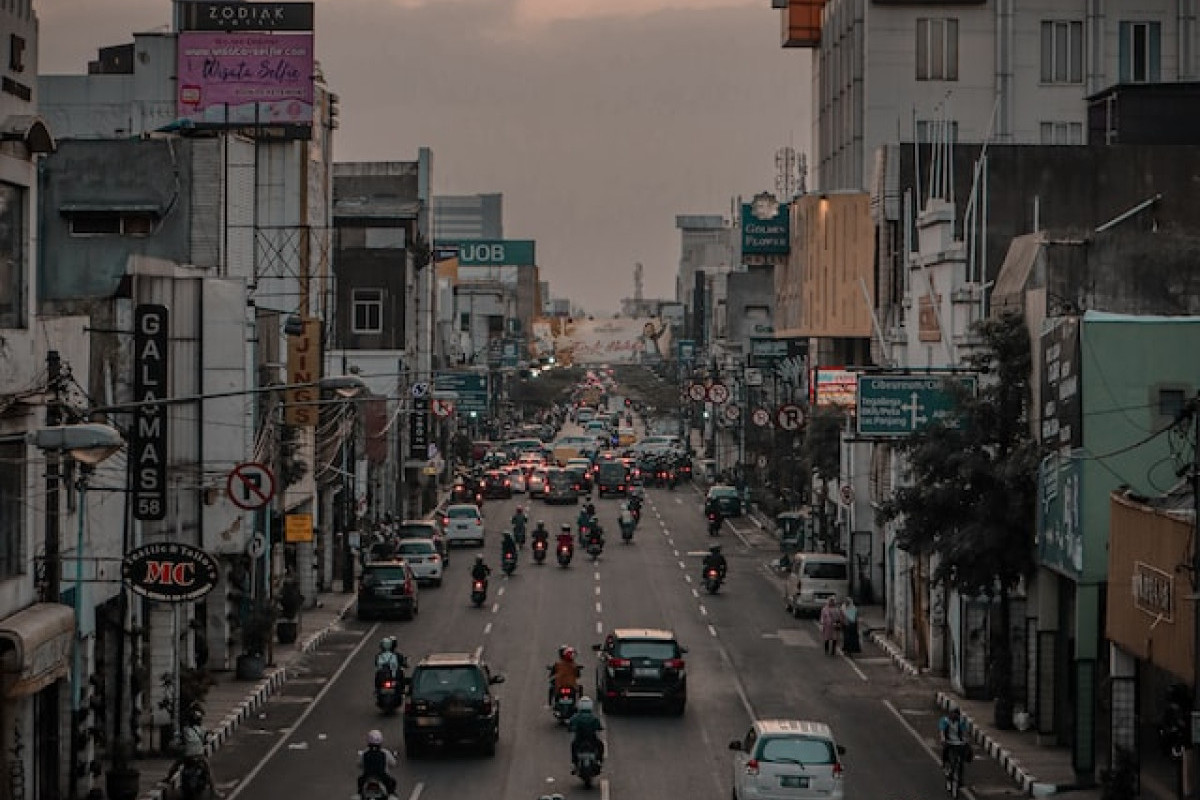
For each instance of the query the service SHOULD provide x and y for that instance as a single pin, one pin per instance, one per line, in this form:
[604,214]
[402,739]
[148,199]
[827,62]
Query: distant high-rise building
[470,216]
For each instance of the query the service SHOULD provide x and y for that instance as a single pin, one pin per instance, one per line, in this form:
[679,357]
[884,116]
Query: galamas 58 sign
[170,572]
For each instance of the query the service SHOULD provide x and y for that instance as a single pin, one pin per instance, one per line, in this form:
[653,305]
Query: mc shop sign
[170,572]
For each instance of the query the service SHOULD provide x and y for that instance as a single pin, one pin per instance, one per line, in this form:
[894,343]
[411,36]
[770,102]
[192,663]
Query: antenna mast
[637,282]
[787,177]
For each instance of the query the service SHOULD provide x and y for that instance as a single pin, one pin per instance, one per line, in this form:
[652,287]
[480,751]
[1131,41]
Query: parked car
[423,557]
[450,700]
[641,664]
[787,759]
[463,523]
[387,588]
[819,576]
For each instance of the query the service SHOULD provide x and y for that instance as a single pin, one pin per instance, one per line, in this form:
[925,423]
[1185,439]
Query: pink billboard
[245,78]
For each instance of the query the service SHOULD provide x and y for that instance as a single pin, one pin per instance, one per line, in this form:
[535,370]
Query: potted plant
[256,634]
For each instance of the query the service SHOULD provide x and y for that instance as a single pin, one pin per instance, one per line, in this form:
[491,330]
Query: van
[818,577]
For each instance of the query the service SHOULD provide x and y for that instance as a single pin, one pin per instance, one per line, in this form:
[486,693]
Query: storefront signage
[170,572]
[418,429]
[765,226]
[298,528]
[241,16]
[496,253]
[1153,591]
[151,326]
[1062,408]
[304,367]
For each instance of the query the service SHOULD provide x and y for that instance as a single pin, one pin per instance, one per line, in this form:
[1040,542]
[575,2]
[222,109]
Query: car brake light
[752,766]
[838,769]
[435,558]
[565,691]
[389,684]
[673,663]
[618,663]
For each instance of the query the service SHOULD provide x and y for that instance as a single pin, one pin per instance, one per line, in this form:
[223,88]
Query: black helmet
[565,527]
[715,549]
[195,714]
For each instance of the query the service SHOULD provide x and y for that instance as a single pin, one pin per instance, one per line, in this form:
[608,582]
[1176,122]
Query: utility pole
[1194,753]
[48,722]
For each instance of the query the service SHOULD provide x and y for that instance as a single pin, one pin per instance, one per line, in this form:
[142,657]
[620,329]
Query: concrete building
[1010,71]
[473,216]
[706,244]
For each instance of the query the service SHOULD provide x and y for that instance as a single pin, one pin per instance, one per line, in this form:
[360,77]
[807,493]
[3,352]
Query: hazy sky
[599,120]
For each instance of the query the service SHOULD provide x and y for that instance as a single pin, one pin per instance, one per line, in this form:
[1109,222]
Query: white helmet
[585,704]
[374,739]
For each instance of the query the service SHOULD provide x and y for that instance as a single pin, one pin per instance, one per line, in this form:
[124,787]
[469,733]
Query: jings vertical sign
[149,456]
[304,371]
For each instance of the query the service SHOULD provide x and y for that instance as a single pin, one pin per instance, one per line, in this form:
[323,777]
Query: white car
[535,484]
[423,556]
[787,759]
[463,523]
[516,478]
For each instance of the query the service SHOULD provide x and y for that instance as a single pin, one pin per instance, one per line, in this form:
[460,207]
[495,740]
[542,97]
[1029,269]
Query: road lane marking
[500,591]
[703,610]
[479,652]
[932,750]
[696,593]
[283,740]
[597,589]
[604,792]
[712,631]
[598,608]
[599,627]
[487,629]
[682,565]
[854,667]
[495,608]
[416,792]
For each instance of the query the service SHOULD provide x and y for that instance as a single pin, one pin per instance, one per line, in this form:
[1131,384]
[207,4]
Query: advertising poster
[245,78]
[621,340]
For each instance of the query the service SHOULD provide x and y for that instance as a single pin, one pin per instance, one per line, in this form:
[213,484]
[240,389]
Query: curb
[1027,783]
[258,695]
[894,652]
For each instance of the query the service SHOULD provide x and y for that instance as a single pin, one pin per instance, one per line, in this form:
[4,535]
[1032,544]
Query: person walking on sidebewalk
[831,625]
[850,640]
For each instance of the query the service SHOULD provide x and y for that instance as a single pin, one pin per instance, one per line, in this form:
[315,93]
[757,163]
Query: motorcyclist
[480,571]
[508,544]
[540,532]
[715,560]
[715,519]
[565,672]
[193,738]
[590,508]
[519,523]
[595,534]
[626,519]
[584,517]
[387,659]
[374,762]
[586,726]
[564,538]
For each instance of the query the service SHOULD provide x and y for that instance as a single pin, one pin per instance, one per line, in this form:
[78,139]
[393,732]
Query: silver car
[423,557]
[787,759]
[535,483]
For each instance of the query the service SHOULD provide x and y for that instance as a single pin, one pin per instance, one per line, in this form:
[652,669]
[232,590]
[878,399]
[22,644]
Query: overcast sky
[599,120]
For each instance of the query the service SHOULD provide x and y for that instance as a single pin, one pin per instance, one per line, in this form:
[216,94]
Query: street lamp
[346,387]
[89,444]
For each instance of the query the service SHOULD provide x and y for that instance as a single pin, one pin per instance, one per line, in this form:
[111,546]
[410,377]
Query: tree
[972,493]
[820,452]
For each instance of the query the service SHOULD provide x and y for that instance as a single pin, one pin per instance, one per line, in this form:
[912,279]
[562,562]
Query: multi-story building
[706,245]
[471,216]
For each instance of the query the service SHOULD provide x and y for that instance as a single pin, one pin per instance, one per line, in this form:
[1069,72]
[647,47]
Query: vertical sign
[151,324]
[418,429]
[304,367]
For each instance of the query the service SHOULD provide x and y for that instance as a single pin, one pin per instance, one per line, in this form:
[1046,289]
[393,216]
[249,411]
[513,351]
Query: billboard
[494,252]
[620,340]
[225,15]
[245,78]
[832,386]
[766,227]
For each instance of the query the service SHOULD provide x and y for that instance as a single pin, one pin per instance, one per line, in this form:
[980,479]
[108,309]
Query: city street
[747,657]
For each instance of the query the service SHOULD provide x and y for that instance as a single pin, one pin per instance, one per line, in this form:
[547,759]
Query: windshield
[434,684]
[462,512]
[416,548]
[797,750]
[825,570]
[644,648]
[416,531]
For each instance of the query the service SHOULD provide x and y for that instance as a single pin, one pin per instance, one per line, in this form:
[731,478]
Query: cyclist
[952,730]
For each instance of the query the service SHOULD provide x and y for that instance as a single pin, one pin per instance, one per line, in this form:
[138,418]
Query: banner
[245,78]
[621,340]
[148,445]
[304,367]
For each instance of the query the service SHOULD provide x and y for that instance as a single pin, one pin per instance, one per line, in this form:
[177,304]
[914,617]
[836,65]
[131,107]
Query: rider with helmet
[540,531]
[387,657]
[519,521]
[715,560]
[564,537]
[508,544]
[374,762]
[565,672]
[586,726]
[480,571]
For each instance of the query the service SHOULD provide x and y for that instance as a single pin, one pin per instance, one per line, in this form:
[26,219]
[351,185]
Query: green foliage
[821,448]
[291,468]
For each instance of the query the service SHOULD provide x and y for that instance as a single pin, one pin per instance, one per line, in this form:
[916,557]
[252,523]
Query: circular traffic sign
[420,389]
[789,417]
[442,408]
[760,417]
[732,413]
[250,485]
[697,392]
[718,393]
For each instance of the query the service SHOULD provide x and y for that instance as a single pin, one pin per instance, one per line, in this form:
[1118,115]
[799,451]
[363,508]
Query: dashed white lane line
[696,593]
[500,591]
[487,629]
[703,610]
[712,631]
[416,792]
[599,627]
[597,589]
[682,565]
[854,667]
[495,608]
[598,608]
[479,652]
[596,575]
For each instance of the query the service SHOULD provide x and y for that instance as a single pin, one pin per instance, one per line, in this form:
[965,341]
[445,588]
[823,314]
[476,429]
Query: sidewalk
[230,702]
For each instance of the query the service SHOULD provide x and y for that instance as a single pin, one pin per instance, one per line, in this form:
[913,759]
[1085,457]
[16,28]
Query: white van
[818,576]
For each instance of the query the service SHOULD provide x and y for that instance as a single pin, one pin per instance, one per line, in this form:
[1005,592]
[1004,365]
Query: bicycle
[955,762]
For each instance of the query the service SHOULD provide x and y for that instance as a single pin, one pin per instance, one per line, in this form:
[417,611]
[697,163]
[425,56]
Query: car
[465,491]
[819,576]
[423,557]
[425,529]
[496,484]
[516,479]
[535,482]
[724,499]
[641,664]
[612,477]
[450,700]
[787,759]
[581,478]
[463,523]
[387,588]
[626,437]
[560,487]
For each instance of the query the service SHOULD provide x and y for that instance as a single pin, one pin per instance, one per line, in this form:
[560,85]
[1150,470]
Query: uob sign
[170,572]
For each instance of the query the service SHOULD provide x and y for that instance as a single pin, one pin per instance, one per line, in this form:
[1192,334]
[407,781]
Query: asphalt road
[746,658]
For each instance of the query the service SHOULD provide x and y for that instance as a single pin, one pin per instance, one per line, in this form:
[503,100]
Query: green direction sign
[496,253]
[897,405]
[687,350]
[471,388]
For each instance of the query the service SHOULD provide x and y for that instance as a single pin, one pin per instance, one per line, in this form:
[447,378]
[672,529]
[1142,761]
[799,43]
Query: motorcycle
[508,563]
[712,580]
[587,764]
[373,789]
[566,702]
[519,535]
[595,546]
[539,551]
[478,592]
[564,555]
[626,532]
[389,689]
[584,529]
[714,524]
[193,780]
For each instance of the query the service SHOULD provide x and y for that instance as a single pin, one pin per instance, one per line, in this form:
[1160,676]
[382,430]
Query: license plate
[645,672]
[793,782]
[428,722]
[461,526]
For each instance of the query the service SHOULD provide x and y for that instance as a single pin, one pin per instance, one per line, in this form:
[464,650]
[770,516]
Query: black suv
[612,477]
[387,588]
[496,485]
[641,663]
[450,700]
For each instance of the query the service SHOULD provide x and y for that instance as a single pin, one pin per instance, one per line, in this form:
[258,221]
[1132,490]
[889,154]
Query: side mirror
[841,750]
[683,650]
[597,647]
[736,744]
[496,679]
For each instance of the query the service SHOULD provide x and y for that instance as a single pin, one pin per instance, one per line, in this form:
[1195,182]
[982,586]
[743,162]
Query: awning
[35,647]
[30,129]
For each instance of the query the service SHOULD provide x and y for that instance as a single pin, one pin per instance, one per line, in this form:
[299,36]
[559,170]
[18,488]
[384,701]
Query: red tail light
[508,483]
[674,663]
[435,558]
[478,586]
[565,691]
[389,684]
[752,766]
[838,770]
[712,573]
[485,706]
[618,663]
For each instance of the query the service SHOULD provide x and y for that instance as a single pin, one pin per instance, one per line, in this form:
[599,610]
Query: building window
[384,238]
[12,256]
[1062,52]
[937,49]
[12,509]
[1140,52]
[112,223]
[1062,133]
[367,311]
[937,130]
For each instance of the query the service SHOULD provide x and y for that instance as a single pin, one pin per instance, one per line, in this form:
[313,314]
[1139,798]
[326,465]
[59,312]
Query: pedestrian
[831,624]
[850,644]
